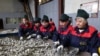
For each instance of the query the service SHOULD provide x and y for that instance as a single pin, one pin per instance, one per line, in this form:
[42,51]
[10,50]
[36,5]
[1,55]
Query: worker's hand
[73,51]
[60,49]
[21,38]
[56,44]
[38,37]
[95,54]
[29,37]
[33,35]
[46,37]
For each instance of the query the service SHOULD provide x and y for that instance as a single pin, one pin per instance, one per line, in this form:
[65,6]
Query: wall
[11,15]
[11,9]
[50,9]
[71,9]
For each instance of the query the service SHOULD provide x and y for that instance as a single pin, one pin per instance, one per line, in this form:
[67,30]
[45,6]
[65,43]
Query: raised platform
[10,32]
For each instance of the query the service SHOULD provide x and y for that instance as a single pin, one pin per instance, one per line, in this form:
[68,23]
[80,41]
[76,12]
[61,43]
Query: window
[13,20]
[43,1]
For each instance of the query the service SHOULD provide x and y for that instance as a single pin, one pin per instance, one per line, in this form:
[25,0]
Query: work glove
[38,36]
[73,51]
[56,44]
[21,38]
[45,38]
[29,37]
[33,35]
[60,49]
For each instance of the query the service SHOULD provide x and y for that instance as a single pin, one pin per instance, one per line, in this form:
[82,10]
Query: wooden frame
[60,9]
[92,8]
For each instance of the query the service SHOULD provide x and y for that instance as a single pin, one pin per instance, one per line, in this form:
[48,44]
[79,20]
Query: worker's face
[24,21]
[37,24]
[63,24]
[80,22]
[45,24]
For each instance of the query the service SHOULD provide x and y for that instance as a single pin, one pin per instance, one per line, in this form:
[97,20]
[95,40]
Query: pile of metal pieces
[32,47]
[11,46]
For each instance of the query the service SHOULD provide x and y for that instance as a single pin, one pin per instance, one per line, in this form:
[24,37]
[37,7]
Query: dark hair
[26,17]
[64,18]
[45,18]
[37,20]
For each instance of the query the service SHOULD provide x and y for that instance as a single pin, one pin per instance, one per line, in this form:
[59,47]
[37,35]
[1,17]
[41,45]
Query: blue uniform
[25,30]
[48,31]
[99,39]
[36,30]
[86,40]
[62,35]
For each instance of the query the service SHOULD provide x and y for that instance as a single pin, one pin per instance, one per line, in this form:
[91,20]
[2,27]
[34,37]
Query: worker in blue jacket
[46,28]
[84,36]
[35,33]
[60,37]
[25,28]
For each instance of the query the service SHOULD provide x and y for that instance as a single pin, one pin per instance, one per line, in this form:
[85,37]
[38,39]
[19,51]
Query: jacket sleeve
[55,36]
[20,33]
[93,43]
